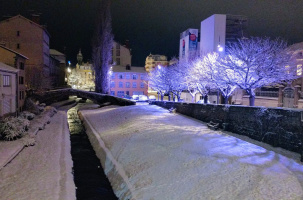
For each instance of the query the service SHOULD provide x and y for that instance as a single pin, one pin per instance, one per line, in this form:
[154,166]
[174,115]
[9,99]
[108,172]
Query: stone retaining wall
[280,127]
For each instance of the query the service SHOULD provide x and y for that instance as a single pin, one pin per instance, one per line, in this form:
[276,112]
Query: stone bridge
[52,96]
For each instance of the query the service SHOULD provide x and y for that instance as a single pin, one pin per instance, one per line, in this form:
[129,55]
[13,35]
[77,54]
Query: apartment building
[17,61]
[31,40]
[8,90]
[128,80]
[154,60]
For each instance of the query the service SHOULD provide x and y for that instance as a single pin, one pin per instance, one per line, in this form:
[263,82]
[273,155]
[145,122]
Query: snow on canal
[149,153]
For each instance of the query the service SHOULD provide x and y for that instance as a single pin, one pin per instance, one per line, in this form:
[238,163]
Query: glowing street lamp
[220,49]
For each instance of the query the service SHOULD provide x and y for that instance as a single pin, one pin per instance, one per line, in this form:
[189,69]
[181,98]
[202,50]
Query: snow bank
[149,153]
[43,171]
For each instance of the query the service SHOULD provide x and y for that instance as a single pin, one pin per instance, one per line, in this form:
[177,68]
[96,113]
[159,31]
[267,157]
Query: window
[118,52]
[118,61]
[18,46]
[117,46]
[135,76]
[127,76]
[6,80]
[142,77]
[299,70]
[120,76]
[120,85]
[127,84]
[21,65]
[134,85]
[120,93]
[18,33]
[113,76]
[112,84]
[21,80]
[112,93]
[127,92]
[142,85]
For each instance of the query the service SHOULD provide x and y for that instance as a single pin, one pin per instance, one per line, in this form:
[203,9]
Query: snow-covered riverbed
[149,153]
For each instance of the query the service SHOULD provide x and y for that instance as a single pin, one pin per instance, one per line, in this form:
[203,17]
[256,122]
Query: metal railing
[267,93]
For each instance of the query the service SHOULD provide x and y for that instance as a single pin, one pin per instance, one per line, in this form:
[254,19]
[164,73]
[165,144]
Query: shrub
[27,115]
[13,128]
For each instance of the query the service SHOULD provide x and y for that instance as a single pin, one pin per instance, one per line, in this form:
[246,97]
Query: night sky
[154,26]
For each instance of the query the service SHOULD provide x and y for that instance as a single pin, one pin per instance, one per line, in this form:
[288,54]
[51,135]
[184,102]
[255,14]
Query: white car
[143,98]
[152,98]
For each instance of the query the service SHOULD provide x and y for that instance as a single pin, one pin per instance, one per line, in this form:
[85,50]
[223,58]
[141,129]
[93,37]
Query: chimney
[36,18]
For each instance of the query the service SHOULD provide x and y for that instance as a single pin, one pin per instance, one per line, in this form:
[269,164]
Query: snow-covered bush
[28,141]
[31,106]
[13,128]
[27,115]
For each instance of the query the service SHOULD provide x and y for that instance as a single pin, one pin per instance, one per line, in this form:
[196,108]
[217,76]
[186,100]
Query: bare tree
[157,80]
[102,48]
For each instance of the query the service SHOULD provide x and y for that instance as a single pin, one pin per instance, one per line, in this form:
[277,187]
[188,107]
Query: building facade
[8,90]
[121,54]
[17,61]
[189,44]
[128,80]
[154,60]
[60,68]
[31,40]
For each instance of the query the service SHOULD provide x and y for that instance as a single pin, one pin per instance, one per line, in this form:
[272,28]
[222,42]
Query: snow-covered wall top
[280,127]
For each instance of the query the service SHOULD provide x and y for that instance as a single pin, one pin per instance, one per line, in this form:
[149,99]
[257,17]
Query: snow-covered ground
[43,171]
[149,153]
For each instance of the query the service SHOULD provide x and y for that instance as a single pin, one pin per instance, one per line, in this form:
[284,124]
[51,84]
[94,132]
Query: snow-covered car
[143,98]
[152,98]
[135,97]
[126,97]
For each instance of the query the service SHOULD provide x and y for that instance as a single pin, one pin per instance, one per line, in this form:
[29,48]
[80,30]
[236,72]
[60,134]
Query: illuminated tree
[157,80]
[102,48]
[255,62]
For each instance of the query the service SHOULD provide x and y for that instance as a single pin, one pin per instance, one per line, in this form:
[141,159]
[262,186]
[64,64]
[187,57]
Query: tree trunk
[162,96]
[169,96]
[193,99]
[251,100]
[205,98]
[225,100]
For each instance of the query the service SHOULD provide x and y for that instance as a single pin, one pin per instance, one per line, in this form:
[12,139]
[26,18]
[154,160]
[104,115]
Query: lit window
[113,76]
[120,85]
[6,80]
[134,85]
[299,70]
[127,76]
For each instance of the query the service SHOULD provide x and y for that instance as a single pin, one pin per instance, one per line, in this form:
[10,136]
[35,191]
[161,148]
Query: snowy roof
[296,47]
[7,68]
[55,52]
[118,68]
[19,54]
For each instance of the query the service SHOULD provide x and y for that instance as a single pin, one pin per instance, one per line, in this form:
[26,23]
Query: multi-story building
[121,54]
[154,60]
[17,61]
[189,44]
[128,80]
[32,40]
[58,69]
[8,90]
[217,30]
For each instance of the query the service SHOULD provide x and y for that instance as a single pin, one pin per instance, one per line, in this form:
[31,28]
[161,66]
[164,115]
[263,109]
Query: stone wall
[53,96]
[279,127]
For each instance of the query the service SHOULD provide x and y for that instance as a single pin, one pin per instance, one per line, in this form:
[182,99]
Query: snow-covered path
[42,171]
[149,153]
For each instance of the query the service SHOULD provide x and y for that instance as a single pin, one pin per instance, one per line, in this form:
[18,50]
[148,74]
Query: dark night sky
[154,26]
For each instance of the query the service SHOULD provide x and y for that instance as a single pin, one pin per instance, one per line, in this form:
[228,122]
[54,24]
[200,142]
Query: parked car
[126,97]
[143,98]
[152,98]
[135,97]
